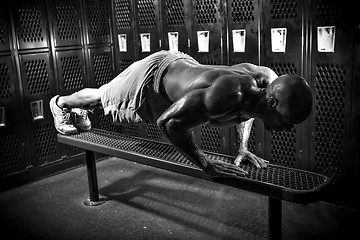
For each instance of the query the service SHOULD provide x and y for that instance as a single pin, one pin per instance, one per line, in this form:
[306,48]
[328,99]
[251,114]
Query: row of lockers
[49,47]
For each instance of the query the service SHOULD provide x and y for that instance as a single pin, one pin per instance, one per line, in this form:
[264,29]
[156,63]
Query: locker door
[71,71]
[5,31]
[149,26]
[13,142]
[331,74]
[243,22]
[101,72]
[207,32]
[31,24]
[97,22]
[207,44]
[66,22]
[283,51]
[125,33]
[39,86]
[176,25]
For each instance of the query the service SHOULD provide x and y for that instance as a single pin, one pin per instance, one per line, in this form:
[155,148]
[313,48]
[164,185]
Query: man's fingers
[238,160]
[233,170]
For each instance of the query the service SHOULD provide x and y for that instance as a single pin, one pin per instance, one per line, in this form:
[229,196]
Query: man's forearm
[182,139]
[244,130]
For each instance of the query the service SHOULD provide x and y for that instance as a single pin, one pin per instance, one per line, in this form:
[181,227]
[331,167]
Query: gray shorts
[134,95]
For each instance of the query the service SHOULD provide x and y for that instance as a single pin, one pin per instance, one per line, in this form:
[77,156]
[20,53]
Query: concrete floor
[149,203]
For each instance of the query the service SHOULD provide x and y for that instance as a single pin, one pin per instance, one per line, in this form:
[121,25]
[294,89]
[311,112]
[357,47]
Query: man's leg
[85,98]
[68,111]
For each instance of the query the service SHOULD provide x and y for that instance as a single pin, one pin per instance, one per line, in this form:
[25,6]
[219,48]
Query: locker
[176,25]
[284,148]
[207,31]
[38,87]
[13,139]
[71,71]
[148,24]
[243,17]
[125,32]
[101,72]
[30,21]
[66,22]
[97,15]
[5,30]
[331,74]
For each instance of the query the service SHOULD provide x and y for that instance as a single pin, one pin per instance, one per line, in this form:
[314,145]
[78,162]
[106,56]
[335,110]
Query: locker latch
[37,110]
[2,117]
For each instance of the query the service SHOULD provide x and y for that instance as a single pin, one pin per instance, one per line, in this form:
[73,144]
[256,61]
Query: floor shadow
[185,201]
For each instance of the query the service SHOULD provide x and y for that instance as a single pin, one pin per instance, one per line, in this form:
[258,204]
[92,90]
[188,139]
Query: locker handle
[37,110]
[2,117]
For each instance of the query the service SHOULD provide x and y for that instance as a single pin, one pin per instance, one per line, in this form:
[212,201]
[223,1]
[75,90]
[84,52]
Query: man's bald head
[291,96]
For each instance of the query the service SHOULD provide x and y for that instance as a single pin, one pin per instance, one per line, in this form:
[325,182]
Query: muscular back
[212,94]
[183,76]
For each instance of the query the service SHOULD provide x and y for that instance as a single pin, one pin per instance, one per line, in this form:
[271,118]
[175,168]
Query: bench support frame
[94,199]
[274,217]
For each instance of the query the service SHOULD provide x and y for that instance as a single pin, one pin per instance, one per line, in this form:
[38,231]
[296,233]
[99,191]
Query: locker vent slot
[9,151]
[175,13]
[102,68]
[153,132]
[2,30]
[283,148]
[71,72]
[105,123]
[5,86]
[206,11]
[66,22]
[99,22]
[125,63]
[31,24]
[210,138]
[284,10]
[146,13]
[242,11]
[45,140]
[122,14]
[37,77]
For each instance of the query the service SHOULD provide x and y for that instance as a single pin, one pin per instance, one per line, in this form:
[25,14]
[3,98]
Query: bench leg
[274,218]
[94,199]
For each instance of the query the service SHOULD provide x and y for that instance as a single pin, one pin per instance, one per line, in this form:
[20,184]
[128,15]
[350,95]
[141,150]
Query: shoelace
[83,113]
[67,118]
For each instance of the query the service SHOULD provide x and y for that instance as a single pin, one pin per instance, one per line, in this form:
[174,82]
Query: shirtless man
[178,93]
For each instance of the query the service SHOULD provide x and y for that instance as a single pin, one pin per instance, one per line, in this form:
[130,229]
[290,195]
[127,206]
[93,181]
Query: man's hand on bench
[217,168]
[245,154]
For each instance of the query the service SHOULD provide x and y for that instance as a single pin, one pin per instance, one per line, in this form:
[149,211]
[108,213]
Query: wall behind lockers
[47,47]
[325,143]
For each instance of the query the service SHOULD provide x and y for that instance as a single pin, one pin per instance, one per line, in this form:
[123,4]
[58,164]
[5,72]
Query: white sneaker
[81,119]
[62,118]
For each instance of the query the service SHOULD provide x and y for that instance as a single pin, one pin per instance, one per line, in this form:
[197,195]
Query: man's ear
[272,102]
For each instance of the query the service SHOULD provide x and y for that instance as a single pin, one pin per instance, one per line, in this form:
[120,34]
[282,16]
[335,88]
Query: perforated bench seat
[277,182]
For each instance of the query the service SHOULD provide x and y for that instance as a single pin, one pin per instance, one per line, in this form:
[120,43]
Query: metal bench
[277,182]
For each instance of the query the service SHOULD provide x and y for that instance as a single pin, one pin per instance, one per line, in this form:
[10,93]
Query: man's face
[276,122]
